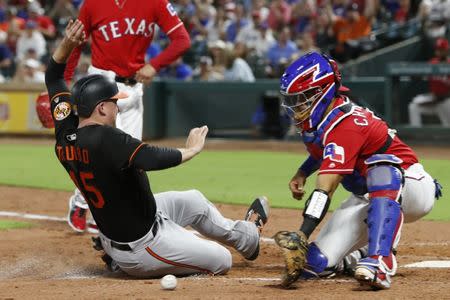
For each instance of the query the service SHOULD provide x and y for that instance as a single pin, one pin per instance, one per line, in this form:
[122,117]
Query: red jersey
[439,85]
[353,137]
[122,30]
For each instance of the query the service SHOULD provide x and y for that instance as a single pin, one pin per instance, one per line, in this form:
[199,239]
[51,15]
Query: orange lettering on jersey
[59,151]
[70,153]
[85,156]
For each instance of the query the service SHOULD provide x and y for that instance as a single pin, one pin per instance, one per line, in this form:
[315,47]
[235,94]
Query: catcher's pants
[346,231]
[175,250]
[423,105]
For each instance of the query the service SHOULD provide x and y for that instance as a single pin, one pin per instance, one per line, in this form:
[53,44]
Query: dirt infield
[50,261]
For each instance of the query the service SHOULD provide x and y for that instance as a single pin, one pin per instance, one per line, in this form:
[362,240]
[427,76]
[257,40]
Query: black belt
[126,80]
[126,247]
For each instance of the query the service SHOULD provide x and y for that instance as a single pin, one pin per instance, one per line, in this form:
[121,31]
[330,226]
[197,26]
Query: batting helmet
[93,89]
[308,86]
[43,110]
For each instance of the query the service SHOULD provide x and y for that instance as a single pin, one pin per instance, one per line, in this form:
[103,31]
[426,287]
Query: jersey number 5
[98,201]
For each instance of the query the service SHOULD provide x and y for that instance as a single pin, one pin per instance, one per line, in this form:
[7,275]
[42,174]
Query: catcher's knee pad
[316,262]
[384,183]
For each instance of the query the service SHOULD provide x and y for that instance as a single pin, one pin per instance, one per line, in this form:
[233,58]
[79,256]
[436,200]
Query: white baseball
[169,282]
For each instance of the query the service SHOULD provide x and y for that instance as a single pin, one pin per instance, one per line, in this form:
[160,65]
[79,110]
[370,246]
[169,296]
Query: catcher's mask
[307,88]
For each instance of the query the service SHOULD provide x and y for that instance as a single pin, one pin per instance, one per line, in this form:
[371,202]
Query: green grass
[13,224]
[223,176]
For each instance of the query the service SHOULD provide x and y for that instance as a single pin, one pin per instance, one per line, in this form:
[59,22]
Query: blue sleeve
[310,165]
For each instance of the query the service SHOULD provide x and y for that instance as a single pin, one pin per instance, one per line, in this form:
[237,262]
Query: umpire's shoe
[76,216]
[258,213]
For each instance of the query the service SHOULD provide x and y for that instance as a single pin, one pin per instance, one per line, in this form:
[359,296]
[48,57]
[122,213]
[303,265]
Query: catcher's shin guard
[295,248]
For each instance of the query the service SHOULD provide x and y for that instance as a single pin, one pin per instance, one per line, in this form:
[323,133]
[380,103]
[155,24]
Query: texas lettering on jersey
[127,26]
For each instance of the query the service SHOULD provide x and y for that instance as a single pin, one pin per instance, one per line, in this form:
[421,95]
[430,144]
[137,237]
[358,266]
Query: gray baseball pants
[178,251]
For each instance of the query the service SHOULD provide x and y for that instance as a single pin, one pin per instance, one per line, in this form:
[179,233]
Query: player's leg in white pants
[131,110]
[175,250]
[416,109]
[443,111]
[346,230]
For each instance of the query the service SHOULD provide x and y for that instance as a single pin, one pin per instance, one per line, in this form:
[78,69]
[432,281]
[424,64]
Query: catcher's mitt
[295,247]
[43,110]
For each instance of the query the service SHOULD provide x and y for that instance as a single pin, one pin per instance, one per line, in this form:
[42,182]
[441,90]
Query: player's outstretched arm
[74,36]
[194,143]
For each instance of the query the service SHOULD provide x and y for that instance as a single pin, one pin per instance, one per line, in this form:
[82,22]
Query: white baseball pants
[346,231]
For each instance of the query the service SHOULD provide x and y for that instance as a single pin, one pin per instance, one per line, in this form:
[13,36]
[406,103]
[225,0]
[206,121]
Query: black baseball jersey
[107,165]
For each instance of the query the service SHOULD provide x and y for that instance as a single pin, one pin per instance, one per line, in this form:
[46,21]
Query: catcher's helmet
[308,86]
[93,89]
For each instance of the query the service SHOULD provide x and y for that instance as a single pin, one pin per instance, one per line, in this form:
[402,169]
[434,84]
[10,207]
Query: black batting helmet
[93,89]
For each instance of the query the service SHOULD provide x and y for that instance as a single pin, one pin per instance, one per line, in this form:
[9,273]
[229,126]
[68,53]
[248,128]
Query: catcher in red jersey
[348,145]
[120,32]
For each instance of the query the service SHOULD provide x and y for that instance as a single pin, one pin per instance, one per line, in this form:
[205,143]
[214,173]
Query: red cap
[441,43]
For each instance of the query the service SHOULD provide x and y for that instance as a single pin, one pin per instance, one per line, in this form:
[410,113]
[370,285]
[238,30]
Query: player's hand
[74,34]
[145,74]
[297,185]
[196,139]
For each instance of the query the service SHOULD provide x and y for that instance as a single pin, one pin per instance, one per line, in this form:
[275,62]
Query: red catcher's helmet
[43,110]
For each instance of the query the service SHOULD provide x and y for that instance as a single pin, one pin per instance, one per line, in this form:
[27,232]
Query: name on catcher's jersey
[353,139]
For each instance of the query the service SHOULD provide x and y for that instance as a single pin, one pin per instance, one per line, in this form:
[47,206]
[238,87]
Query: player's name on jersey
[72,153]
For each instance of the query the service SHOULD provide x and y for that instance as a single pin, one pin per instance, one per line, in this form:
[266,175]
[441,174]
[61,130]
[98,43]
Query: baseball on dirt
[169,282]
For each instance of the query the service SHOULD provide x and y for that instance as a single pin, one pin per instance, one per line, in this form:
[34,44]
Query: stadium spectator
[261,7]
[177,70]
[61,13]
[435,15]
[240,22]
[205,72]
[237,69]
[30,39]
[218,54]
[6,57]
[30,71]
[350,28]
[281,52]
[437,101]
[257,36]
[303,14]
[279,14]
[44,24]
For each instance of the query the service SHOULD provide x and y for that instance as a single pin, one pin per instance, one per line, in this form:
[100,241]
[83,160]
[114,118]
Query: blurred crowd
[231,40]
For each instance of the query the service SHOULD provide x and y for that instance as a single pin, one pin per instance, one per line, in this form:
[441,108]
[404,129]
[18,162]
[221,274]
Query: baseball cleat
[373,272]
[258,213]
[77,216]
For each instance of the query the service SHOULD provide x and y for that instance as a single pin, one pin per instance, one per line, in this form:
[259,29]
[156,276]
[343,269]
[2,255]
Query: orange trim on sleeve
[134,153]
[59,94]
[176,264]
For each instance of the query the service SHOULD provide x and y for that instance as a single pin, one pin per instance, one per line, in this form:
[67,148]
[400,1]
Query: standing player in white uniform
[351,146]
[121,31]
[143,233]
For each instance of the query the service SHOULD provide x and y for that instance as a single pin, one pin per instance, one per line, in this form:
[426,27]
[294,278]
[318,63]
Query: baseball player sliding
[351,146]
[121,31]
[142,233]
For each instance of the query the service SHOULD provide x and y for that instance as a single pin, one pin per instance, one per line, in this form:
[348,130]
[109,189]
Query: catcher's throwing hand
[295,248]
[297,184]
